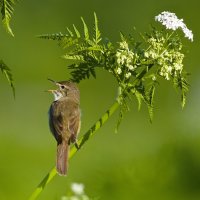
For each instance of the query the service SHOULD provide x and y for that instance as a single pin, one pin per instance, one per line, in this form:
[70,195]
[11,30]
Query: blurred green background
[142,161]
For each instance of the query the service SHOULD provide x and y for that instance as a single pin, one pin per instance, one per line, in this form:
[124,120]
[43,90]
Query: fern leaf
[7,11]
[181,83]
[54,36]
[70,32]
[97,37]
[73,57]
[92,71]
[150,97]
[7,72]
[81,71]
[78,35]
[86,32]
[184,90]
[67,42]
[139,98]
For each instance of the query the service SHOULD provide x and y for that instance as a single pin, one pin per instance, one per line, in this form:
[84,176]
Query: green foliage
[7,72]
[181,83]
[6,7]
[136,66]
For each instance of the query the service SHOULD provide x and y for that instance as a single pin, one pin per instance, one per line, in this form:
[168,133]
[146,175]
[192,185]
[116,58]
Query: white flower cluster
[78,190]
[170,60]
[171,63]
[171,21]
[125,60]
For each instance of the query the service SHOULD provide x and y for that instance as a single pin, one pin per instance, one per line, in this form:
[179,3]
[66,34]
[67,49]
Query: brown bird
[64,120]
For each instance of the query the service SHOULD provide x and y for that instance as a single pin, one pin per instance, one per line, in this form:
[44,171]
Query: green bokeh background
[142,161]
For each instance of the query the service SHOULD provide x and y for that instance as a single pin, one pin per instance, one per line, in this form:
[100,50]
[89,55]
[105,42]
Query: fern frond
[150,98]
[97,34]
[54,36]
[81,71]
[78,35]
[70,32]
[184,90]
[183,85]
[7,11]
[7,72]
[139,98]
[67,42]
[86,32]
[73,57]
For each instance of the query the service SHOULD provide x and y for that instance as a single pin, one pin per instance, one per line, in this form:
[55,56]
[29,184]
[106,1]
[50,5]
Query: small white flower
[188,33]
[119,71]
[178,67]
[169,69]
[154,78]
[171,21]
[146,54]
[123,58]
[130,54]
[130,67]
[118,54]
[77,188]
[128,75]
[123,45]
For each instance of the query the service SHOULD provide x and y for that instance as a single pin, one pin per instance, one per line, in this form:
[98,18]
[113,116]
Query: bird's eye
[62,87]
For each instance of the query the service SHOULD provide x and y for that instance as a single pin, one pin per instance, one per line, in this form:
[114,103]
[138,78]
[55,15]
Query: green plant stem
[74,150]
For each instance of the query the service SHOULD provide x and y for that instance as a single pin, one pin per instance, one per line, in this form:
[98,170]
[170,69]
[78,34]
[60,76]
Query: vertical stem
[73,150]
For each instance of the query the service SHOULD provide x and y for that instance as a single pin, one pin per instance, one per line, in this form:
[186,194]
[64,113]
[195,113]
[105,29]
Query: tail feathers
[62,158]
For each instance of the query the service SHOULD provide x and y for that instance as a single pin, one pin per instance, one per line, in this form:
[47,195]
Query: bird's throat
[57,95]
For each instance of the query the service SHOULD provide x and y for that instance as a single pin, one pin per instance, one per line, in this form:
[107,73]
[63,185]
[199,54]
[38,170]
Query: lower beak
[52,91]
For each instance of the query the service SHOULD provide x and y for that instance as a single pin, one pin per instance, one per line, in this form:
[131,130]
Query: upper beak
[53,81]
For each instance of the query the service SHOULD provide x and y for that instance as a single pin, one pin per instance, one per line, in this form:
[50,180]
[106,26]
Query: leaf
[67,42]
[86,32]
[93,73]
[81,71]
[78,35]
[181,83]
[7,11]
[73,57]
[139,98]
[55,36]
[97,37]
[7,72]
[184,90]
[150,97]
[70,32]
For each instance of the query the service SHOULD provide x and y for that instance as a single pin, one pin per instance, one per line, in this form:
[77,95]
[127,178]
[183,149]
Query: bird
[64,120]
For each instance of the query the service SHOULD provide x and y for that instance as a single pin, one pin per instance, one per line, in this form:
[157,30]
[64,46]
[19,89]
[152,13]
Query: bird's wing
[64,120]
[74,124]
